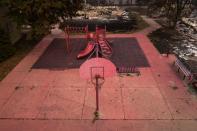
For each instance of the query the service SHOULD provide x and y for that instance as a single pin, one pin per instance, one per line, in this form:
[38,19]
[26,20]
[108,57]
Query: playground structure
[97,45]
[95,41]
[104,45]
[69,30]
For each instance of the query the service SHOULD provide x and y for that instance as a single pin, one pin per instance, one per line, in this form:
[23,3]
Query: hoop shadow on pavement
[126,53]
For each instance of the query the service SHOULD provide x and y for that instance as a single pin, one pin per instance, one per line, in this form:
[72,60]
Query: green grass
[141,24]
[164,39]
[138,9]
[23,47]
[9,64]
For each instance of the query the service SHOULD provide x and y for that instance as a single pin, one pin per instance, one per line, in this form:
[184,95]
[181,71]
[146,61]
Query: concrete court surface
[59,100]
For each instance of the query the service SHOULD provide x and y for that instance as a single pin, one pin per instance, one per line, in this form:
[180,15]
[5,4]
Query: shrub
[160,39]
[112,25]
[6,51]
[6,48]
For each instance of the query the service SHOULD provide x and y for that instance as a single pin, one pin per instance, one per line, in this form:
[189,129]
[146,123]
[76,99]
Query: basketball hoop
[96,70]
[97,66]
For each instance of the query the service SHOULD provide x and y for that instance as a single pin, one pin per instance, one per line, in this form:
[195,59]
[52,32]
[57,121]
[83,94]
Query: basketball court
[45,88]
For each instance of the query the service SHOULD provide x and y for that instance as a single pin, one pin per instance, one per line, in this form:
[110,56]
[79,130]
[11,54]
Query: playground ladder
[106,51]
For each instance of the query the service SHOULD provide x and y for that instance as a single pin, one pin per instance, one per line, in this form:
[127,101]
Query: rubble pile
[103,13]
[187,45]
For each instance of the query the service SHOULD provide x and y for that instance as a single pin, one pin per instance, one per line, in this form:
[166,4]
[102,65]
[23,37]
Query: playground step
[105,49]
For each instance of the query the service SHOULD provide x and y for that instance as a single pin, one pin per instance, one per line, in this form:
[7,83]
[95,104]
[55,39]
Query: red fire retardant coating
[89,48]
[97,66]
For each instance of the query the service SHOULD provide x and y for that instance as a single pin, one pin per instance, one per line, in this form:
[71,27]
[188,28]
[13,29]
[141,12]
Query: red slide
[89,48]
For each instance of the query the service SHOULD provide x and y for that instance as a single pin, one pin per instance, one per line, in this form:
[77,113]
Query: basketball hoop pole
[96,70]
[97,94]
[97,87]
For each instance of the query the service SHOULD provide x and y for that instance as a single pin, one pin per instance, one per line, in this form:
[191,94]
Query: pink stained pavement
[50,99]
